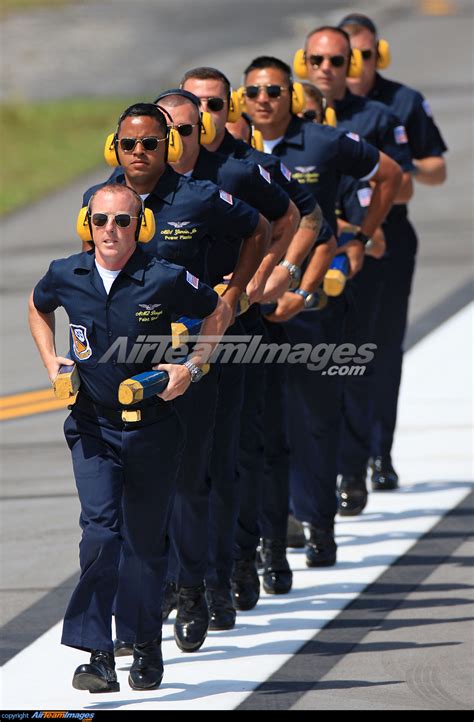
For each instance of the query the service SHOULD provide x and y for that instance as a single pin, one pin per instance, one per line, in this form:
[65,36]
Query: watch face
[309,300]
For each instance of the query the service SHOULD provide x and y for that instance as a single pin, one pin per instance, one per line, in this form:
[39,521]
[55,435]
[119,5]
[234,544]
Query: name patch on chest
[306,174]
[148,312]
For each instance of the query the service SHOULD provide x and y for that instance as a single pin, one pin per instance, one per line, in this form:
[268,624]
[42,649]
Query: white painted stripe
[433,455]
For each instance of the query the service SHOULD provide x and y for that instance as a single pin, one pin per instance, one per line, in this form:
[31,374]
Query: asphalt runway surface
[68,52]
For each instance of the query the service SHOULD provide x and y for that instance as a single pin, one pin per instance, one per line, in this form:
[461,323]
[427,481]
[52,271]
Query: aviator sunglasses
[273,91]
[214,104]
[149,143]
[337,61]
[122,220]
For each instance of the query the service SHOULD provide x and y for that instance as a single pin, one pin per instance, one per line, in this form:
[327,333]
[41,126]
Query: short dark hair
[268,61]
[144,109]
[314,93]
[356,21]
[207,73]
[332,29]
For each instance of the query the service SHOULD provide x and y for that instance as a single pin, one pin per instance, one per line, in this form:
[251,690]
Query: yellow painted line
[30,403]
[26,398]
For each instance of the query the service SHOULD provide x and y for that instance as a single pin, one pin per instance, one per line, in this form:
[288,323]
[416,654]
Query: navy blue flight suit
[424,140]
[252,434]
[251,183]
[317,157]
[192,218]
[379,126]
[125,472]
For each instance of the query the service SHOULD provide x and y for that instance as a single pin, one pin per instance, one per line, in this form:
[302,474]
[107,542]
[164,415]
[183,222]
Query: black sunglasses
[214,104]
[273,91]
[310,115]
[185,129]
[367,54]
[149,143]
[122,220]
[337,61]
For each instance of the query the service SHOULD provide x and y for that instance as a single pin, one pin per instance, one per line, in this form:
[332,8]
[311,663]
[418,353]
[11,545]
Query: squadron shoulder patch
[80,342]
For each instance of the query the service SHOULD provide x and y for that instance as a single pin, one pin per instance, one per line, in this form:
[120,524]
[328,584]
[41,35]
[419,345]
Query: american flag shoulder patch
[364,195]
[264,173]
[353,136]
[427,108]
[400,135]
[285,171]
[226,197]
[192,280]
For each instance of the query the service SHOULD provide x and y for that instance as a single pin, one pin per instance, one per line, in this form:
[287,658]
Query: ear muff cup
[147,226]
[82,225]
[354,69]
[384,56]
[235,110]
[145,234]
[110,153]
[298,98]
[356,64]
[256,141]
[174,147]
[241,93]
[299,64]
[329,117]
[208,129]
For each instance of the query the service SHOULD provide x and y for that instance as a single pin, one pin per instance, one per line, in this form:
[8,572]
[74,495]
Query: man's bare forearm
[318,265]
[305,237]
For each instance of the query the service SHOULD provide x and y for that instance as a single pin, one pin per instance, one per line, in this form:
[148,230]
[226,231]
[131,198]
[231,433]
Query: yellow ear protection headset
[255,138]
[145,230]
[383,48]
[297,98]
[354,69]
[174,146]
[235,106]
[208,131]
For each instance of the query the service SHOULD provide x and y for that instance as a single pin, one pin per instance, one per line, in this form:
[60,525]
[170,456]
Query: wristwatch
[360,236]
[196,372]
[294,271]
[306,295]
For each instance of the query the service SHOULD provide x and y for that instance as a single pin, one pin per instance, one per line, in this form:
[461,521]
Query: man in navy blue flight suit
[380,127]
[427,148]
[213,89]
[192,219]
[252,183]
[125,466]
[318,156]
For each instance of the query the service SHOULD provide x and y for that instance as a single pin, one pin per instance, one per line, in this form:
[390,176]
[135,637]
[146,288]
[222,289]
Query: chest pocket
[179,241]
[82,343]
[149,319]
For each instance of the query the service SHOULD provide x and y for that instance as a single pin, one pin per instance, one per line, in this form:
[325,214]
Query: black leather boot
[192,618]
[146,671]
[245,584]
[352,494]
[277,575]
[321,547]
[97,676]
[384,476]
[221,609]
